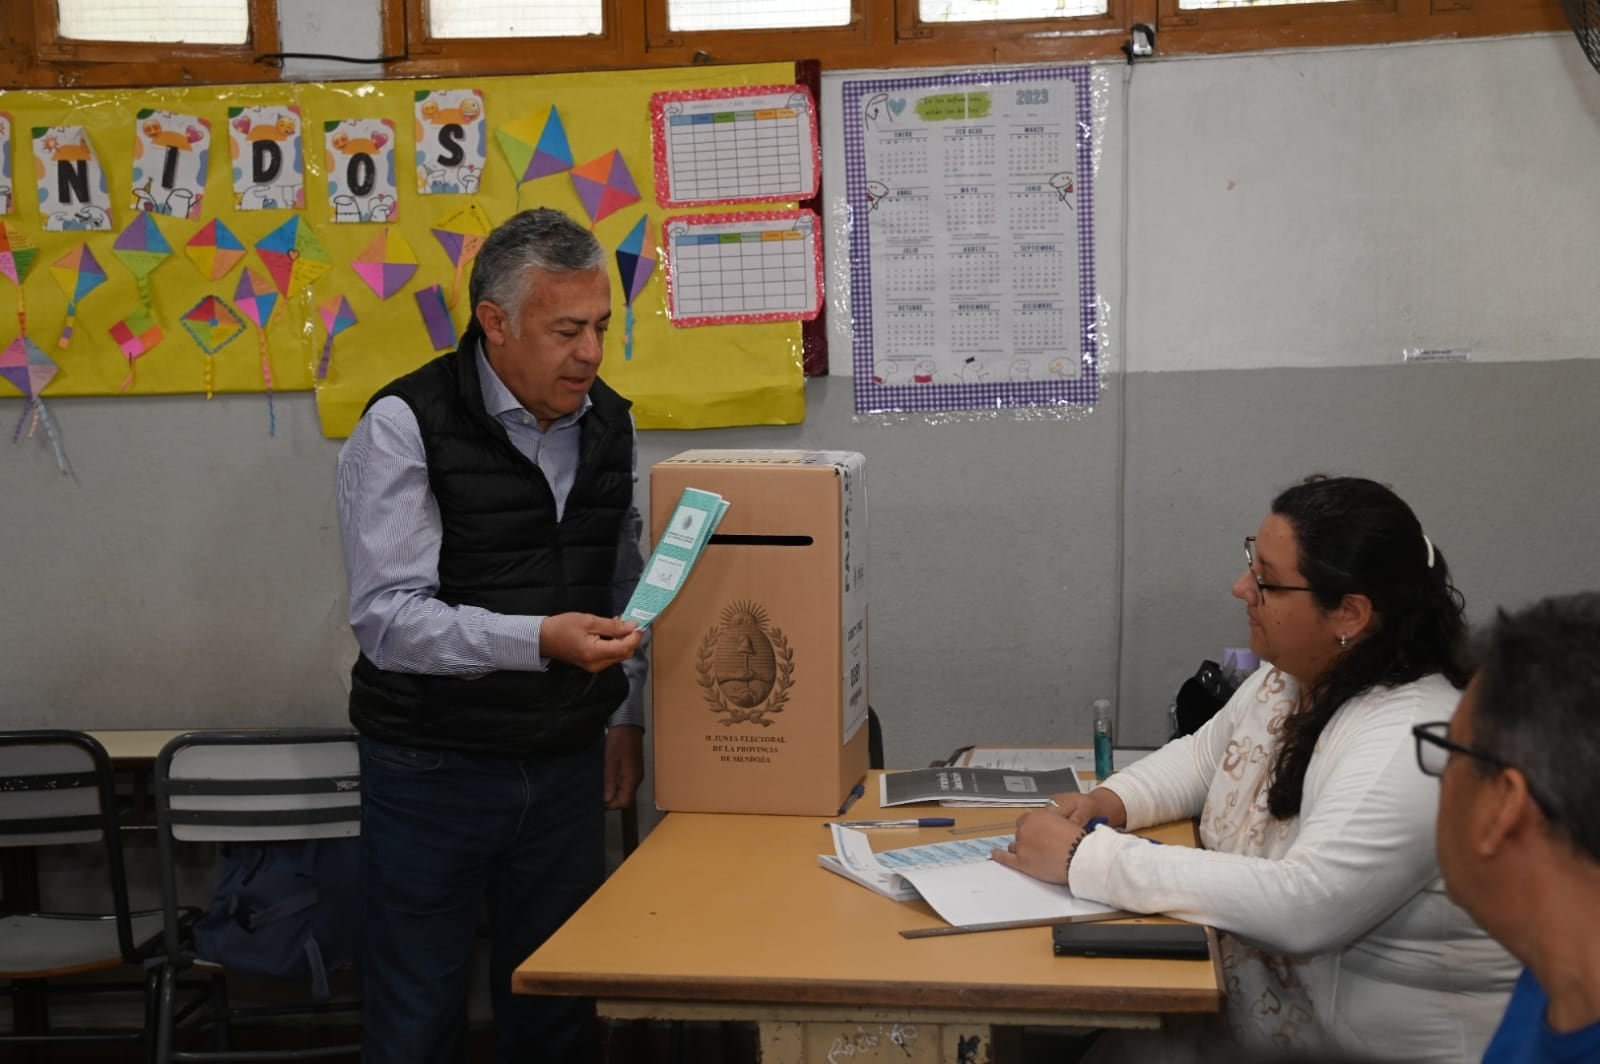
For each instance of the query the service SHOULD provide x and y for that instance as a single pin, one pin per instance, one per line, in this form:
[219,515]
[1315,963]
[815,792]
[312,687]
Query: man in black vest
[490,537]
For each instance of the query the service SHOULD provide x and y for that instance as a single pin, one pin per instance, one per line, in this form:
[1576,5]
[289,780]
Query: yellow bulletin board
[687,378]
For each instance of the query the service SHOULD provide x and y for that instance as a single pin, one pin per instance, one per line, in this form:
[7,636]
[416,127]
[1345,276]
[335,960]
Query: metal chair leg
[152,1013]
[219,1010]
[168,996]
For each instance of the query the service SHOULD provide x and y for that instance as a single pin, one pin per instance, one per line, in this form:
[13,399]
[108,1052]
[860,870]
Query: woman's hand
[1045,842]
[1082,808]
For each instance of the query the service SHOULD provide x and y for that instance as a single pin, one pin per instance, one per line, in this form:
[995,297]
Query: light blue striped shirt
[389,521]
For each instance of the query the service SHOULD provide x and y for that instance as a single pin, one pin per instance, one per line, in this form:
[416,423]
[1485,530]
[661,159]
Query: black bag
[286,910]
[1201,695]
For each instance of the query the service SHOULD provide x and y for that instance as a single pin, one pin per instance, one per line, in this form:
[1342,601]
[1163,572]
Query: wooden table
[722,917]
[133,748]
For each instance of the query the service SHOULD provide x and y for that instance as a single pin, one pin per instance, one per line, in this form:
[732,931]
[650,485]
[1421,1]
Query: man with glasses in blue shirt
[1519,820]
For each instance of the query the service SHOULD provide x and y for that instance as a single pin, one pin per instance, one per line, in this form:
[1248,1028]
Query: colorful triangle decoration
[604,185]
[552,154]
[387,264]
[215,250]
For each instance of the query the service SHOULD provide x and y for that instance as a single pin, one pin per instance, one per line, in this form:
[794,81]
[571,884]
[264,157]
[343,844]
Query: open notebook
[959,880]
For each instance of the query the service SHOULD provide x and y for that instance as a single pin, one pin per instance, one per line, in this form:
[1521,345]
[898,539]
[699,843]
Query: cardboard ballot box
[760,664]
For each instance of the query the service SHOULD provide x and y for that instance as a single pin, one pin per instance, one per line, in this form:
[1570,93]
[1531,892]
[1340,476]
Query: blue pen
[914,822]
[850,799]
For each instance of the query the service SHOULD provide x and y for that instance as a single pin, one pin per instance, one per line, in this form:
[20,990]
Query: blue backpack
[285,910]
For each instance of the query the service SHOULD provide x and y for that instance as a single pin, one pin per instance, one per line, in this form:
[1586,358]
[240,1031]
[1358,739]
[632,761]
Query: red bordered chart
[735,145]
[745,267]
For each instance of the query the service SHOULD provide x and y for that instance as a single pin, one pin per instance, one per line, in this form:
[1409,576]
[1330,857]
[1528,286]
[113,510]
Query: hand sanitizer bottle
[1102,739]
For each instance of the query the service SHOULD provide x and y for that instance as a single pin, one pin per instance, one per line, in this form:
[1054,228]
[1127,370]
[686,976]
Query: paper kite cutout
[293,256]
[215,250]
[462,236]
[17,254]
[637,266]
[78,273]
[30,371]
[213,325]
[604,185]
[141,248]
[436,317]
[255,298]
[530,158]
[136,335]
[336,318]
[387,263]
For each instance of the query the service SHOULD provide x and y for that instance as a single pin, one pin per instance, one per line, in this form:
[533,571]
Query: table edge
[1009,997]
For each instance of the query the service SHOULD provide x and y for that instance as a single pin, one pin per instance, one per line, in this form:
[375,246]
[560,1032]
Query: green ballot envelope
[693,521]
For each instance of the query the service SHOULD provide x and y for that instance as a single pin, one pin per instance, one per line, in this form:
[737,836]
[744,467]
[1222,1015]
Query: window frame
[1356,22]
[405,26]
[760,45]
[888,34]
[1170,14]
[910,27]
[61,60]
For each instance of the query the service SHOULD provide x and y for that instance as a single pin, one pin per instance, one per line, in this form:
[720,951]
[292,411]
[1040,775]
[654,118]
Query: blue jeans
[440,832]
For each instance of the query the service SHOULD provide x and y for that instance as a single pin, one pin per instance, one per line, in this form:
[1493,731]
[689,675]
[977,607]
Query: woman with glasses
[1318,864]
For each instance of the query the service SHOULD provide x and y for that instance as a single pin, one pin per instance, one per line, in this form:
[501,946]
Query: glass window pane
[756,14]
[174,21]
[1213,5]
[515,18]
[997,10]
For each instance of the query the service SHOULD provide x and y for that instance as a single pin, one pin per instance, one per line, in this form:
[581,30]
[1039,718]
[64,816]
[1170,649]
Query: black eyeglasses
[1434,747]
[1261,585]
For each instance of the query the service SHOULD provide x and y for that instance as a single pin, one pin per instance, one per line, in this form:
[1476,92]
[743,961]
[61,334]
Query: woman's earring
[1344,641]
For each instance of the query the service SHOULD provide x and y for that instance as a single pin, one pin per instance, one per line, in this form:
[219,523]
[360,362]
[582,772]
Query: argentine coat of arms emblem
[746,666]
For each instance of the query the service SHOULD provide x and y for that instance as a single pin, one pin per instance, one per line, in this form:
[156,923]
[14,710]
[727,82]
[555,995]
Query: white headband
[1429,542]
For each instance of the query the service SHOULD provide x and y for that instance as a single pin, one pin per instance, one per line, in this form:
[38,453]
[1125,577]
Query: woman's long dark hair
[1356,537]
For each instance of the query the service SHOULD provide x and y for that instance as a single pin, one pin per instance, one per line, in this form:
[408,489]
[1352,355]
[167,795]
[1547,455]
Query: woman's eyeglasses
[1261,585]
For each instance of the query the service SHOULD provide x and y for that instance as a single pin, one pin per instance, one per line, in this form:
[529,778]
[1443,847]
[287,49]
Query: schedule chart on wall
[735,145]
[972,253]
[755,266]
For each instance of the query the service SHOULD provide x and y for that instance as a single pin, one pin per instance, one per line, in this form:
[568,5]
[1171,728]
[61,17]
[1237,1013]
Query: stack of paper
[958,880]
[974,786]
[697,516]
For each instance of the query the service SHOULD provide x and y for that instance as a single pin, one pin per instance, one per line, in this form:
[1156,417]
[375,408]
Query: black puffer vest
[504,550]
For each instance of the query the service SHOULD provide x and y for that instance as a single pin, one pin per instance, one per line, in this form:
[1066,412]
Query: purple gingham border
[872,397]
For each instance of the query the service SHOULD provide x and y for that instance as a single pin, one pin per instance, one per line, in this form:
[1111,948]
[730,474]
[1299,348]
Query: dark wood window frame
[881,33]
[888,33]
[35,55]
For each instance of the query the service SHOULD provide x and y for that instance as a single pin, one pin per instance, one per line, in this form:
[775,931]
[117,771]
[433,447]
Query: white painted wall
[1437,194]
[1432,194]
[1334,207]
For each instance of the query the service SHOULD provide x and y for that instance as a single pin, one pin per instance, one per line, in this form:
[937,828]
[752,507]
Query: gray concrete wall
[190,575]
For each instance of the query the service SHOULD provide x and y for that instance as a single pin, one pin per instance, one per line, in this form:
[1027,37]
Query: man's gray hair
[540,239]
[1538,708]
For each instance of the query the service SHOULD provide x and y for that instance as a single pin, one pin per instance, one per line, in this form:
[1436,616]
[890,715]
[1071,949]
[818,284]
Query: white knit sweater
[1339,927]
